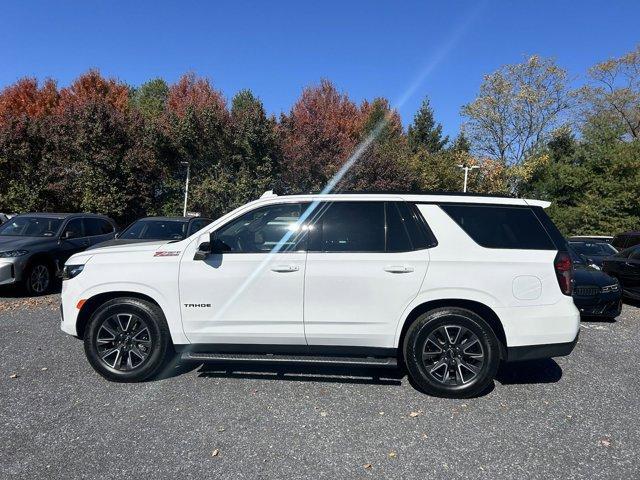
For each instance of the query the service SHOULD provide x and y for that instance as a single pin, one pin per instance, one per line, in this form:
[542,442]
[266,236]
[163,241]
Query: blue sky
[399,50]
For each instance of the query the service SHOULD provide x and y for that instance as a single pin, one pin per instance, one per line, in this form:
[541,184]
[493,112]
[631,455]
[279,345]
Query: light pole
[186,188]
[466,174]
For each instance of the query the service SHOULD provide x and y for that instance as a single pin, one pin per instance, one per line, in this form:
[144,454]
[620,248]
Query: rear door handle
[285,268]
[398,269]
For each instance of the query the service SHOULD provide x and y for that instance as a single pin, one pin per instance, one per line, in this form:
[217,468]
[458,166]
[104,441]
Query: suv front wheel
[451,352]
[128,340]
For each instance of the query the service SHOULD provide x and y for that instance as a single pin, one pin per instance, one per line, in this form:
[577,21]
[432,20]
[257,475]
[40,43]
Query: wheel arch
[479,308]
[94,302]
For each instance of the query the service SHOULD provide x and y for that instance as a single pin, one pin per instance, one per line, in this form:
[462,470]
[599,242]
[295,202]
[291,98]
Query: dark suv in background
[157,228]
[626,240]
[625,266]
[34,246]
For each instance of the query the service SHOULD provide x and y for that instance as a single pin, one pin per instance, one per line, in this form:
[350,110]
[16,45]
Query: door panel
[357,299]
[354,297]
[243,298]
[252,293]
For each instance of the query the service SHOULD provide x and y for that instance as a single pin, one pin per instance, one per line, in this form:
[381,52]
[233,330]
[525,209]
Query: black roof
[60,215]
[175,219]
[406,192]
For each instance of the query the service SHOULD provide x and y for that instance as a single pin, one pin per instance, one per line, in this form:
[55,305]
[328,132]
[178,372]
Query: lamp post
[466,174]
[186,188]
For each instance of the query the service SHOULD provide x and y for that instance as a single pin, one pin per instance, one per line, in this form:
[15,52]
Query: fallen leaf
[14,375]
[415,414]
[215,453]
[393,455]
[323,414]
[367,466]
[605,442]
[44,369]
[381,413]
[221,429]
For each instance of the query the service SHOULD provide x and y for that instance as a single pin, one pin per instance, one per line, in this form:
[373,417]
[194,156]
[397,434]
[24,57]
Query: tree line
[101,145]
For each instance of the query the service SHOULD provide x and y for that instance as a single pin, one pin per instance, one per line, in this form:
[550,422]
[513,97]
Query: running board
[289,359]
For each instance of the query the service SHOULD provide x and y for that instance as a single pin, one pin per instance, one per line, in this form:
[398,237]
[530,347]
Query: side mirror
[214,246]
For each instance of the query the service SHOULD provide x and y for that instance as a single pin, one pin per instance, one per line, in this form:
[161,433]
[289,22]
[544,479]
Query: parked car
[595,293]
[34,246]
[626,240]
[592,238]
[157,228]
[448,285]
[625,266]
[593,252]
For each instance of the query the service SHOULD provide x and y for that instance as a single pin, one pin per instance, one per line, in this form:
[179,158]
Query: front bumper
[535,352]
[11,270]
[603,305]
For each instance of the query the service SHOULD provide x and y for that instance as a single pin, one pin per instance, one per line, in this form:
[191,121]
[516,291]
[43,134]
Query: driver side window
[73,229]
[272,228]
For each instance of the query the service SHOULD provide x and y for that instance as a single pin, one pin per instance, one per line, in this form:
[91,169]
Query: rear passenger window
[501,227]
[350,227]
[97,226]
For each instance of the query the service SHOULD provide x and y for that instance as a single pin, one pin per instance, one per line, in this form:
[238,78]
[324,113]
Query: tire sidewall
[427,323]
[159,349]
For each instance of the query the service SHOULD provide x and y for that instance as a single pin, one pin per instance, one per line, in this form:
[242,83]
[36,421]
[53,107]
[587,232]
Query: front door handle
[285,268]
[398,269]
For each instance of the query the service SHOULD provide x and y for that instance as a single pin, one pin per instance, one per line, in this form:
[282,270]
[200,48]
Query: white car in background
[448,285]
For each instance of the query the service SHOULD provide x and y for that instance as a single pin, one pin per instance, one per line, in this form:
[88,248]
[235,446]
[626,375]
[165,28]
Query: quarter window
[501,227]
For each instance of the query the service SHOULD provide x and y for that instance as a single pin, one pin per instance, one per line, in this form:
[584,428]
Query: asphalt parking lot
[573,417]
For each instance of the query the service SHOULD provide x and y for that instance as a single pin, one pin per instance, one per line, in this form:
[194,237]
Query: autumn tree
[516,109]
[614,92]
[425,133]
[382,161]
[197,124]
[251,166]
[318,135]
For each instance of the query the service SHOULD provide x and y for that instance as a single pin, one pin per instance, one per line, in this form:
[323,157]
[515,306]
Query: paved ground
[575,417]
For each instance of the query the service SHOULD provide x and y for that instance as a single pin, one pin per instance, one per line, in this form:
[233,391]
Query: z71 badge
[167,254]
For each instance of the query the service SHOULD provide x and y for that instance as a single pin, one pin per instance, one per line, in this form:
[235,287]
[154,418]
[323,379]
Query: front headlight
[71,271]
[13,253]
[611,288]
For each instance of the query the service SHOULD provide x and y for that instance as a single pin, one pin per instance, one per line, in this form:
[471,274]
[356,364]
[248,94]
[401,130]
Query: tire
[38,278]
[128,340]
[461,353]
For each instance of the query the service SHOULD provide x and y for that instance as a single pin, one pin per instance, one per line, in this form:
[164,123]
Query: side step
[289,359]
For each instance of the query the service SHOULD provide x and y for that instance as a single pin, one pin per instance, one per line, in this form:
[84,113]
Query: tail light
[564,272]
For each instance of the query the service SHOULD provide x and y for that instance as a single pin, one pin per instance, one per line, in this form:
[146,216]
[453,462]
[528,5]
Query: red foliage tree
[25,97]
[318,135]
[92,87]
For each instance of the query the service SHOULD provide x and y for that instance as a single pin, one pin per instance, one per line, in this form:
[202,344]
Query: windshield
[31,227]
[156,230]
[593,248]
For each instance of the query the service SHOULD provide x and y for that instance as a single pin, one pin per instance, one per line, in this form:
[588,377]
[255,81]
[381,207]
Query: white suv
[446,285]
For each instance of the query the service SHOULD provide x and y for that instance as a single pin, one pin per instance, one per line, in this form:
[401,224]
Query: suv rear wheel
[451,352]
[127,340]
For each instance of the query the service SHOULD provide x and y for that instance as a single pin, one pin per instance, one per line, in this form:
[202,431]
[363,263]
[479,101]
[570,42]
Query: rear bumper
[534,352]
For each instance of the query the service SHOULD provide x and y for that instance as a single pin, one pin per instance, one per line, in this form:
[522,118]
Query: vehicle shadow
[529,372]
[14,291]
